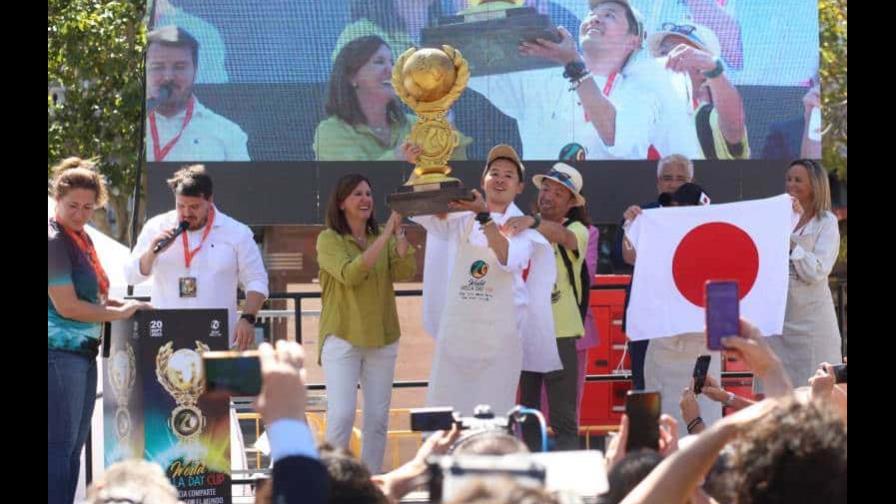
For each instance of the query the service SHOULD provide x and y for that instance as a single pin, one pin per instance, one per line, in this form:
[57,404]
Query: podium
[154,402]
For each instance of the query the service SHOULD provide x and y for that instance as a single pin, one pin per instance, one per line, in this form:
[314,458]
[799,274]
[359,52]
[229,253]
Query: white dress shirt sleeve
[814,262]
[132,272]
[252,275]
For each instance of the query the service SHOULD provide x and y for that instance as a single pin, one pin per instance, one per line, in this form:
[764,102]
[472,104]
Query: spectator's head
[132,481]
[78,190]
[797,453]
[612,27]
[362,72]
[192,188]
[349,478]
[672,171]
[171,61]
[489,442]
[500,490]
[559,191]
[808,182]
[628,472]
[687,195]
[351,200]
[502,179]
[688,33]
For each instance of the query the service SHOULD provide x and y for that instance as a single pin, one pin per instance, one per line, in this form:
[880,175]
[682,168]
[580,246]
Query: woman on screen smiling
[365,121]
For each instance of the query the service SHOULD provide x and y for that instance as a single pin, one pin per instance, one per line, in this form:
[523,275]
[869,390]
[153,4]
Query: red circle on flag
[714,251]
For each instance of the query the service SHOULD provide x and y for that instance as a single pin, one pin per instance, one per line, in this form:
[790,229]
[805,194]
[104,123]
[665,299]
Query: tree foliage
[95,79]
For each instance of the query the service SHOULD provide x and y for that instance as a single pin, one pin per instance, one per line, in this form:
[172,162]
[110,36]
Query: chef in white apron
[486,296]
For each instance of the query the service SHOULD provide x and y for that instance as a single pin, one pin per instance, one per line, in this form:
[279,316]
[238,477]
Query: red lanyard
[85,245]
[608,87]
[189,254]
[161,152]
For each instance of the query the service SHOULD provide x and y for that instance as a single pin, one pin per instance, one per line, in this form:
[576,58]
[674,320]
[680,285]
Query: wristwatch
[715,72]
[249,317]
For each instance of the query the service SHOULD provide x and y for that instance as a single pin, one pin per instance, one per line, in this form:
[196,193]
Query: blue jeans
[71,395]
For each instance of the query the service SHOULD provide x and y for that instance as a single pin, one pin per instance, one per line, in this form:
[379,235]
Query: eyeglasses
[683,29]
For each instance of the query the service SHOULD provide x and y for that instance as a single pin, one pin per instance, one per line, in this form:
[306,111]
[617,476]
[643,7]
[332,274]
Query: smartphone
[643,410]
[722,311]
[431,419]
[839,373]
[701,367]
[238,373]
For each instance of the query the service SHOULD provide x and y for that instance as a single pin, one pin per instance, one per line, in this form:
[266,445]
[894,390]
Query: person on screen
[365,121]
[178,126]
[397,22]
[719,116]
[615,101]
[212,49]
[790,138]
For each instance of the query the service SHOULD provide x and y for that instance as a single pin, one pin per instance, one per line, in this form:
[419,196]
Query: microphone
[164,243]
[165,92]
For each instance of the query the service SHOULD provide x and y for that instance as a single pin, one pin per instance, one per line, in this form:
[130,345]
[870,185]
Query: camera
[443,418]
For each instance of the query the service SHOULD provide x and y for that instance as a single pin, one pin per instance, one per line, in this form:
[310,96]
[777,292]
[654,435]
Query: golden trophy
[181,373]
[123,373]
[429,81]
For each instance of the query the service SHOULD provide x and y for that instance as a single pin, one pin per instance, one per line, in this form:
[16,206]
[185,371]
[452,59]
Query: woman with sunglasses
[487,295]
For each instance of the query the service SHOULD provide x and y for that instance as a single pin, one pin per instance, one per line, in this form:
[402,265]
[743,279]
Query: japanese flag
[680,248]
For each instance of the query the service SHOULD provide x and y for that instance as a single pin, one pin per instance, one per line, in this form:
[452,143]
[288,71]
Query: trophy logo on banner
[429,81]
[122,377]
[181,374]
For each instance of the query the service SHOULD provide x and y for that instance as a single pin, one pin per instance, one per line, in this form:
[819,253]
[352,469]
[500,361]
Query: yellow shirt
[358,303]
[720,145]
[567,319]
[336,140]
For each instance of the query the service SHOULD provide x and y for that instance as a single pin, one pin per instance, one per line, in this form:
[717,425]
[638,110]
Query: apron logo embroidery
[479,269]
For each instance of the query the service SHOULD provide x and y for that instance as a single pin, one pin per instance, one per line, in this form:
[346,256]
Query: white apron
[479,353]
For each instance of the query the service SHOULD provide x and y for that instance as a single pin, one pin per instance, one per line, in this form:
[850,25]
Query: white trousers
[669,367]
[344,366]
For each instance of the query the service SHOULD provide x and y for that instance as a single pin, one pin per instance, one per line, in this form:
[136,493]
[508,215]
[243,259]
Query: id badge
[188,287]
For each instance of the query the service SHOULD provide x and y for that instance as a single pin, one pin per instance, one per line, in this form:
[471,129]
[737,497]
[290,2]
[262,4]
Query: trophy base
[428,199]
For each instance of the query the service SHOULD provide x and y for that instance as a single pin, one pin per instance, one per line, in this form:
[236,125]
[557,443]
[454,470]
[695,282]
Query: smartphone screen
[839,371]
[238,373]
[431,419]
[701,367]
[643,410]
[722,312]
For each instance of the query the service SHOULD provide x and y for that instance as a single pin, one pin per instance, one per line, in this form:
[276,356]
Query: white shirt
[549,116]
[228,258]
[207,137]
